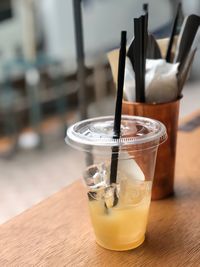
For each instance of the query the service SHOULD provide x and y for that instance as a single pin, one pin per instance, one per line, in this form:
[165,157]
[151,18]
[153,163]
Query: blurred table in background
[57,232]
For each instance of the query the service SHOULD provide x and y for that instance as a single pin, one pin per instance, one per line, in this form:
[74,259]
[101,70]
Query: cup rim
[80,134]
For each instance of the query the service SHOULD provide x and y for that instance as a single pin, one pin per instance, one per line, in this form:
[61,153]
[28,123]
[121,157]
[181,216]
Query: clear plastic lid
[97,133]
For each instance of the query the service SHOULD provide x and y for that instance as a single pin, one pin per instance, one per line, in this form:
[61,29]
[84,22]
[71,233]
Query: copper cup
[167,113]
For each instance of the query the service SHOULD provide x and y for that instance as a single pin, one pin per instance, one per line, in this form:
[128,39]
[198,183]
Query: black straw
[118,107]
[146,18]
[145,7]
[174,30]
[140,30]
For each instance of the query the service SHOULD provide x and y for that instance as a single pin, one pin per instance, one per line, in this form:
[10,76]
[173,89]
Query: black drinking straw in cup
[118,107]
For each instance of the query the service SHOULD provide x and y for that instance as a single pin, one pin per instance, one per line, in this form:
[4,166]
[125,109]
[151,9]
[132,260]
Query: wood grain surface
[57,232]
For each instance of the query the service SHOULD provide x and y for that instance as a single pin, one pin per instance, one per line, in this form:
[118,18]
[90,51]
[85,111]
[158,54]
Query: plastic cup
[119,212]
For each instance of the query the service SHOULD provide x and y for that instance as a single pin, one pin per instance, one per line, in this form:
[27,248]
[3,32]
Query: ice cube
[95,176]
[96,194]
[111,195]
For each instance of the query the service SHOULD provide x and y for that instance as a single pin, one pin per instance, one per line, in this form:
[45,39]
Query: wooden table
[57,232]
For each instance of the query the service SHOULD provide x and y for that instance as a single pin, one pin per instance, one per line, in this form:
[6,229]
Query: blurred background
[53,72]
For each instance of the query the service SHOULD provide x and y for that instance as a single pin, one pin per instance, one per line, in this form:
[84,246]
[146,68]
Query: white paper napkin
[160,81]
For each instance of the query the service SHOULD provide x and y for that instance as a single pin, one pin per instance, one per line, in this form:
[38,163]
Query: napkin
[160,79]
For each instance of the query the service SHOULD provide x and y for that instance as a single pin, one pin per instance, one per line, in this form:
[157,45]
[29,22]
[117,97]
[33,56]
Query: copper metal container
[167,113]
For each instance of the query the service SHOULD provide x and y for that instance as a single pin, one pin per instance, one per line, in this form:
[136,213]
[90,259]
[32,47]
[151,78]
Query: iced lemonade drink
[119,211]
[123,226]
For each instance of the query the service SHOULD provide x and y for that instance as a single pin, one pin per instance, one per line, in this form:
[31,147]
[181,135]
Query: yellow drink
[123,226]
